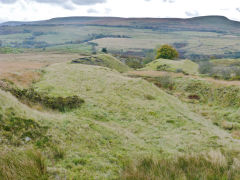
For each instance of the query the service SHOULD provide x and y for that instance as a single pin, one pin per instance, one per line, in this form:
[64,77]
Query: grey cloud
[192,13]
[167,1]
[88,2]
[94,11]
[7,1]
[78,2]
[68,4]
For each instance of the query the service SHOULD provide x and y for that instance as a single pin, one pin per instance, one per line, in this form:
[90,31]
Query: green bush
[104,50]
[167,52]
[56,103]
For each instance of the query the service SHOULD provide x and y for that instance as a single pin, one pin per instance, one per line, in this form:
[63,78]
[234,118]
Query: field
[122,120]
[85,39]
[69,110]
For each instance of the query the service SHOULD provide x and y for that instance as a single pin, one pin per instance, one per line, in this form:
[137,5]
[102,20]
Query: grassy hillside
[104,60]
[186,66]
[116,123]
[122,120]
[216,100]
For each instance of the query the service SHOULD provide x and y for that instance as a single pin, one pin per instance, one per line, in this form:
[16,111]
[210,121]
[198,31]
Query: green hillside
[186,66]
[104,60]
[122,119]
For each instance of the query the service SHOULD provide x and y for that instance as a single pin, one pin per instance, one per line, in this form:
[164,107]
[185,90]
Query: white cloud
[45,9]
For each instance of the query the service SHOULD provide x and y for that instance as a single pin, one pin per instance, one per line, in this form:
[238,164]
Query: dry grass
[29,164]
[16,66]
[42,57]
[206,166]
[21,68]
[24,79]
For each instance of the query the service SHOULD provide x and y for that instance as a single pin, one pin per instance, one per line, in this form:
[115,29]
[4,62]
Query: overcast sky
[28,10]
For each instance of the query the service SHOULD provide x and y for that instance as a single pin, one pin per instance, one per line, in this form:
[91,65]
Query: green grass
[118,120]
[217,103]
[207,166]
[22,164]
[9,50]
[186,66]
[105,60]
[122,119]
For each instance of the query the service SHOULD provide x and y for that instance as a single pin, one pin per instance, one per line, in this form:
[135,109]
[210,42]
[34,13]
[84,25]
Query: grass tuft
[207,166]
[29,164]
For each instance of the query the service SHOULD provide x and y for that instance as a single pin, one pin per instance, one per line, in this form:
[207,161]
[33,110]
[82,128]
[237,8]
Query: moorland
[85,98]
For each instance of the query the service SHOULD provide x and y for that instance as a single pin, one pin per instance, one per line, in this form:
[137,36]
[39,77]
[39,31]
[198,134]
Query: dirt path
[162,73]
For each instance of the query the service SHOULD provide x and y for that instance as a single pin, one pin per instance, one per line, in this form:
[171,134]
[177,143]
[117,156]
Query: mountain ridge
[113,18]
[202,23]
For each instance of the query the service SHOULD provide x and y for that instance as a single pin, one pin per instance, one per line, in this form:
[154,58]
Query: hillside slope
[122,118]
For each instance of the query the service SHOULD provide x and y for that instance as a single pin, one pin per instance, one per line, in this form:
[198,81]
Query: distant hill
[197,38]
[203,23]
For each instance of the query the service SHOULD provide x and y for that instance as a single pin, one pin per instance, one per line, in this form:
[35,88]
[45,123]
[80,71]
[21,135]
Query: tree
[104,50]
[167,52]
[1,43]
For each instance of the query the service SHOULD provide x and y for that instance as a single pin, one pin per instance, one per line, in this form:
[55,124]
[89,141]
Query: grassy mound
[216,102]
[122,118]
[185,66]
[104,60]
